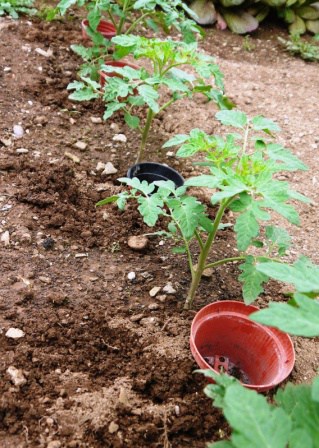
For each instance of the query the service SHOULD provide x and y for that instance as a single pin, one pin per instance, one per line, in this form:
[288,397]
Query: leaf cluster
[15,7]
[292,421]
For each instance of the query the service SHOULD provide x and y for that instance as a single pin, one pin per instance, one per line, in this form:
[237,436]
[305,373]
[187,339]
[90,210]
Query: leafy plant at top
[133,89]
[308,50]
[126,15]
[15,7]
[241,169]
[293,420]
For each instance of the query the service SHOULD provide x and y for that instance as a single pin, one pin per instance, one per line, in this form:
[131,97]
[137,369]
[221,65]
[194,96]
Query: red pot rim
[107,29]
[242,311]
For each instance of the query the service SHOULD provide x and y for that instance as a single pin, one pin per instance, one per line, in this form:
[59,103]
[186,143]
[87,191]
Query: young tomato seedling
[241,172]
[133,89]
[126,15]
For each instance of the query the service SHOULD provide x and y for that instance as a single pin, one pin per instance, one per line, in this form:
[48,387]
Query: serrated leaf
[296,401]
[280,237]
[150,208]
[150,96]
[252,280]
[232,118]
[303,274]
[179,250]
[261,123]
[290,162]
[300,320]
[254,421]
[84,94]
[187,212]
[247,229]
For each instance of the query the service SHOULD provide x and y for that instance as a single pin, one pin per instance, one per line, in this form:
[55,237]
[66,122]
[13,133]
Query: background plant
[306,49]
[156,88]
[244,16]
[292,420]
[241,171]
[15,7]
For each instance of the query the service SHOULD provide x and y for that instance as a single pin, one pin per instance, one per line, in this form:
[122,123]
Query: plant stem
[134,24]
[123,18]
[196,278]
[149,119]
[224,261]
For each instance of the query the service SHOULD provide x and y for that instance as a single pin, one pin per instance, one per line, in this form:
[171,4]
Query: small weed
[307,50]
[248,45]
[115,247]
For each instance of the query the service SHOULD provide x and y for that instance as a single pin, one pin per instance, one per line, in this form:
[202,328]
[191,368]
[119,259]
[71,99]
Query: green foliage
[292,421]
[132,89]
[300,316]
[241,169]
[126,15]
[15,7]
[308,50]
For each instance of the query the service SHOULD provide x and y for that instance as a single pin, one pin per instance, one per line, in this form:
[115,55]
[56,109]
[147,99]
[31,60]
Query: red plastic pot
[120,64]
[107,29]
[223,338]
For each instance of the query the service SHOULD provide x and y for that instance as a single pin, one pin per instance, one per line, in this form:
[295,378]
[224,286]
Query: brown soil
[105,364]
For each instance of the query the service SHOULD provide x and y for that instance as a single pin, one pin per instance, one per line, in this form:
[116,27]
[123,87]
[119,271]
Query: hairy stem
[149,119]
[196,278]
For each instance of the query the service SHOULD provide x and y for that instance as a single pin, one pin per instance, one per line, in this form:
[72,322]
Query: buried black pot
[151,172]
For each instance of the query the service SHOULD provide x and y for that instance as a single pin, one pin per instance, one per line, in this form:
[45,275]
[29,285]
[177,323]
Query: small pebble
[22,151]
[73,157]
[100,166]
[169,289]
[109,169]
[80,145]
[15,333]
[5,238]
[137,317]
[16,376]
[137,242]
[18,131]
[131,276]
[153,306]
[154,291]
[54,444]
[48,243]
[96,120]
[113,427]
[120,138]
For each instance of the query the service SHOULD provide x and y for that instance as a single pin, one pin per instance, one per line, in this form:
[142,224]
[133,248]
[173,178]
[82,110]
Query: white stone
[54,444]
[131,276]
[80,145]
[96,120]
[154,291]
[169,289]
[22,151]
[100,166]
[46,53]
[5,238]
[16,376]
[113,427]
[120,138]
[73,157]
[15,333]
[109,169]
[18,131]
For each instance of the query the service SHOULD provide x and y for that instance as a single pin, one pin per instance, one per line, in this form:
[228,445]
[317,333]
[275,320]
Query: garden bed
[106,364]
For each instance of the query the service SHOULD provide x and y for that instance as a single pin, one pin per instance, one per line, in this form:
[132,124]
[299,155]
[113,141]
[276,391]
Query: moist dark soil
[104,363]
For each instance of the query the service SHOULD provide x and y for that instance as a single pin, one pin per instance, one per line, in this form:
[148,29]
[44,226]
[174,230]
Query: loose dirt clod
[138,243]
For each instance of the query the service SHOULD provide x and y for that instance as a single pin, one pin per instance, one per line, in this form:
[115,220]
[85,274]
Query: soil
[105,364]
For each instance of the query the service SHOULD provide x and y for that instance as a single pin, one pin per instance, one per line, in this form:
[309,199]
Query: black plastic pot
[151,172]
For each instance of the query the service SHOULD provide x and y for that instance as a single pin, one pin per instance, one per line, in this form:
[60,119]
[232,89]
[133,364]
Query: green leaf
[315,389]
[280,237]
[131,120]
[302,274]
[247,228]
[187,211]
[290,162]
[232,118]
[150,96]
[300,320]
[296,401]
[252,280]
[205,180]
[300,437]
[261,123]
[176,140]
[84,94]
[254,421]
[150,208]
